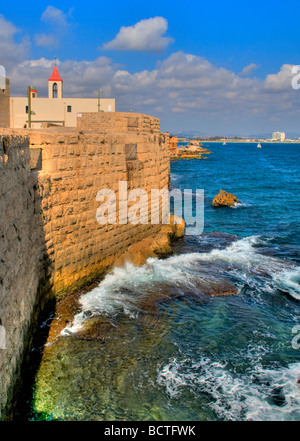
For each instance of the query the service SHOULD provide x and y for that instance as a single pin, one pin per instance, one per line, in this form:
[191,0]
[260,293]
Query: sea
[161,342]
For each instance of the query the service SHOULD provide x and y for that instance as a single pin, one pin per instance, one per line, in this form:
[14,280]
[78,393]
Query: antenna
[99,93]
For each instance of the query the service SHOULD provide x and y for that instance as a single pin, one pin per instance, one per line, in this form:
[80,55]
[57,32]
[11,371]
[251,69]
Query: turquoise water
[265,180]
[160,346]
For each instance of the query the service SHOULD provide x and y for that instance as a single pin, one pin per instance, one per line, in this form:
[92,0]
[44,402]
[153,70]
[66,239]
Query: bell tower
[55,84]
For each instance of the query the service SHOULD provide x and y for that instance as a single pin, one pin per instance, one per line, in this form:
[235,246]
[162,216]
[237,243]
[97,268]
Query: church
[56,110]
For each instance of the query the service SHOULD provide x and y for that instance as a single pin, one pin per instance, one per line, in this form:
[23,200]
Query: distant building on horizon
[52,111]
[278,136]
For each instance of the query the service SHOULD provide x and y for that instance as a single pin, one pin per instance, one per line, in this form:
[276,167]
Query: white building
[56,109]
[278,136]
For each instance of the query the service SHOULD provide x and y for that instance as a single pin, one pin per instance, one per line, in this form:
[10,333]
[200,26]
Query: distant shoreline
[240,141]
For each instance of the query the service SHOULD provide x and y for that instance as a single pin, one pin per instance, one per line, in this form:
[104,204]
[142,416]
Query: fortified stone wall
[74,168]
[49,236]
[4,105]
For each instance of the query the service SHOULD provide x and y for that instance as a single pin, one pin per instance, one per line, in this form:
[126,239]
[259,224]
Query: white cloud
[282,81]
[183,84]
[183,89]
[146,36]
[54,16]
[11,52]
[45,40]
[56,27]
[192,89]
[7,29]
[248,70]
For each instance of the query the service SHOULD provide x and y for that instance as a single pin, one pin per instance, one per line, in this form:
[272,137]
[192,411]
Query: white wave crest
[241,205]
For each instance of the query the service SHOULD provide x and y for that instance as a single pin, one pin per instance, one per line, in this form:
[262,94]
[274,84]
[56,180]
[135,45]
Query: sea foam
[258,395]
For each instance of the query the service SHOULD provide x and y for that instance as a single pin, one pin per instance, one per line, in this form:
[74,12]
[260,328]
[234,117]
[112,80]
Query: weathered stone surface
[179,226]
[224,199]
[118,122]
[175,228]
[23,255]
[157,246]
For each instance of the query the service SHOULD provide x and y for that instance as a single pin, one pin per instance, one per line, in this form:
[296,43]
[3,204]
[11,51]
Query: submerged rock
[216,288]
[224,199]
[277,397]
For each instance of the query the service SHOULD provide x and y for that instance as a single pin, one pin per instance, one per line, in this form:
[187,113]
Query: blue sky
[222,67]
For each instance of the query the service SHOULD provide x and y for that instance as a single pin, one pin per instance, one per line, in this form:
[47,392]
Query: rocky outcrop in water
[224,199]
[192,152]
[157,246]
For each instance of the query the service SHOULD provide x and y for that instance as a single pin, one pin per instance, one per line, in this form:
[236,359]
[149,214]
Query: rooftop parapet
[117,122]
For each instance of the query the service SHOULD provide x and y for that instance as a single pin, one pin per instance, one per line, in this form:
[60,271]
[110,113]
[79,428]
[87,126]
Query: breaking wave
[242,261]
[249,265]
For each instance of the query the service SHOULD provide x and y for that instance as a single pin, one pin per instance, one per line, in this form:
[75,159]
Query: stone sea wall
[74,168]
[50,241]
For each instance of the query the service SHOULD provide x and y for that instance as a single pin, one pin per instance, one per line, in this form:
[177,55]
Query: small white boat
[259,146]
[224,143]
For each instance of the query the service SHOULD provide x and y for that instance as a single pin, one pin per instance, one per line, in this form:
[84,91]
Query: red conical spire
[55,75]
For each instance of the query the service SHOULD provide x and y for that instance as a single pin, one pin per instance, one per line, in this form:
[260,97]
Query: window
[131,152]
[55,90]
[69,109]
[26,109]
